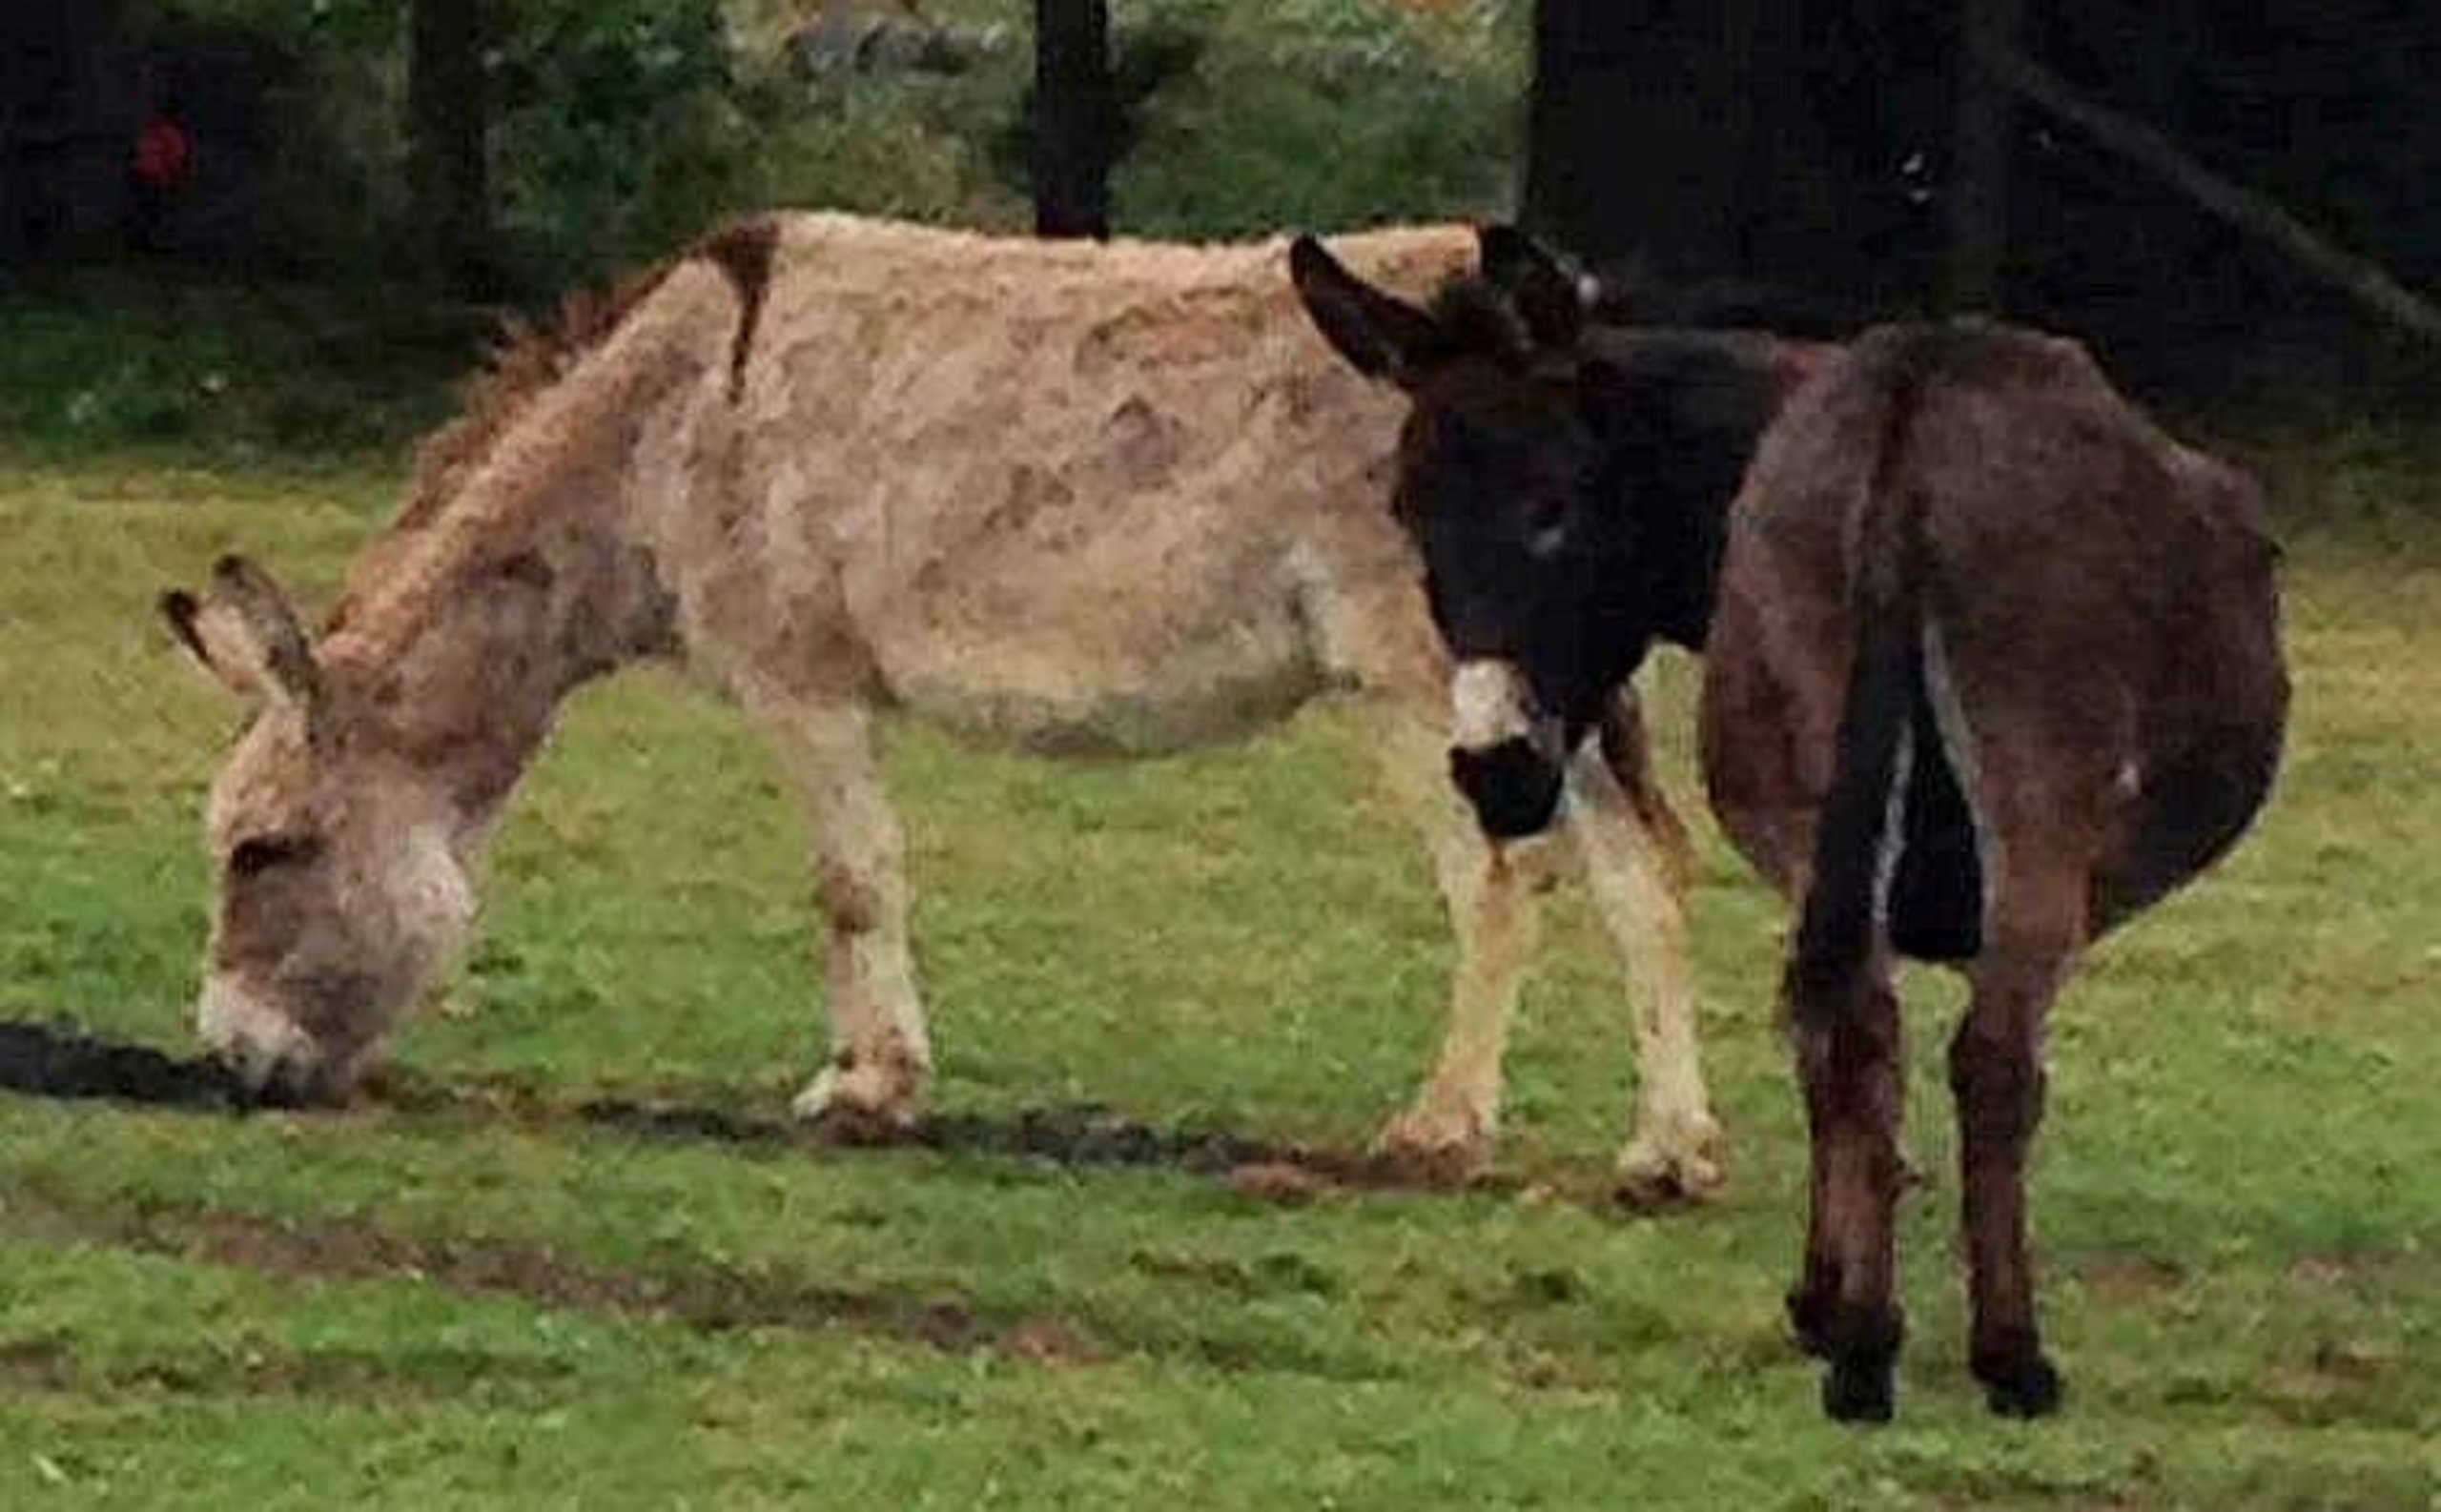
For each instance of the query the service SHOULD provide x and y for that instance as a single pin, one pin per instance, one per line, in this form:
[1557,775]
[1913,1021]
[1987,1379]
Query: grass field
[505,1281]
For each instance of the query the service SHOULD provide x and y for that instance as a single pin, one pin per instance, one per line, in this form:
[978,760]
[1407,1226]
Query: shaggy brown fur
[1997,664]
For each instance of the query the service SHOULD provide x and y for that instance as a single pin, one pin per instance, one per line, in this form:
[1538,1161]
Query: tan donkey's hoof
[858,1107]
[1655,1173]
[1422,1148]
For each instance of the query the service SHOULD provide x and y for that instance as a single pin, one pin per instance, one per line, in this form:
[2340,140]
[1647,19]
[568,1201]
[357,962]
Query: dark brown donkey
[1991,663]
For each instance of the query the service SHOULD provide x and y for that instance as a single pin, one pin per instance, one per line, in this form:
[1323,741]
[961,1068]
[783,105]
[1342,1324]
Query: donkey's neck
[1708,397]
[527,571]
[477,625]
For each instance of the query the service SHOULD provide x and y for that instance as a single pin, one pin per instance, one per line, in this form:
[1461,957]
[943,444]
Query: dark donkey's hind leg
[1815,1301]
[1845,1019]
[1996,1074]
[1844,1308]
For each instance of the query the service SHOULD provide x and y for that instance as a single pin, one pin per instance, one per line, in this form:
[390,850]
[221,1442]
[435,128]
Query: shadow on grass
[59,1061]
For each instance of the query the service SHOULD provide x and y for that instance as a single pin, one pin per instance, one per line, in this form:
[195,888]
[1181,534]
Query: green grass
[477,1293]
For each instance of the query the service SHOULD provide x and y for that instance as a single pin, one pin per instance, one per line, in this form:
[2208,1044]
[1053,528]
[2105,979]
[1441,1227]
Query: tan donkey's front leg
[1674,1148]
[880,1056]
[1447,1135]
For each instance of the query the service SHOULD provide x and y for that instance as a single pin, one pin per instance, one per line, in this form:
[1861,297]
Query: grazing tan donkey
[1990,664]
[1079,497]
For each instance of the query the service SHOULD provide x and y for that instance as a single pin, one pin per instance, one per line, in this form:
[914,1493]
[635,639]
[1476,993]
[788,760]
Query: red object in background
[164,153]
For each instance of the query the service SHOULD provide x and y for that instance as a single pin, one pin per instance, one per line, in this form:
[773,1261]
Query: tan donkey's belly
[1098,669]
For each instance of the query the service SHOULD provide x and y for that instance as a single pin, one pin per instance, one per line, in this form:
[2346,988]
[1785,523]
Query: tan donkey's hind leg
[880,1056]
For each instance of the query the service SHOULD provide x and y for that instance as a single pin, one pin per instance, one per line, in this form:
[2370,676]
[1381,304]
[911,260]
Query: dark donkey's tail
[1856,841]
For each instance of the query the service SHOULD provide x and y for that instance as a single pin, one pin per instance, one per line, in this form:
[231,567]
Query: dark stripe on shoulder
[744,252]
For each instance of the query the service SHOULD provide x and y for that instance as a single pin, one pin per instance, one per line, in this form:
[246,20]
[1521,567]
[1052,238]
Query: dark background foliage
[1797,150]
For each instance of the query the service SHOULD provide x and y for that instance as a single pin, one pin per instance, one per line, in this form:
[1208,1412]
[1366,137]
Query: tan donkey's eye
[257,854]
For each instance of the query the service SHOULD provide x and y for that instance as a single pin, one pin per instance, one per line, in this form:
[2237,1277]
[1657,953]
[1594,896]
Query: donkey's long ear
[1551,294]
[1381,336]
[245,633]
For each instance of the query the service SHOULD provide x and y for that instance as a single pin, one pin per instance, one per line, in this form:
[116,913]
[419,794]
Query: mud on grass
[57,1060]
[52,1364]
[710,1300]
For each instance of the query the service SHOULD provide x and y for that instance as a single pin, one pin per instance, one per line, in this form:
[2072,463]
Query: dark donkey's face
[1507,470]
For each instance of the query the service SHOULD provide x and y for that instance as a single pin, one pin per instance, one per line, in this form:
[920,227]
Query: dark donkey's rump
[2157,597]
[2054,688]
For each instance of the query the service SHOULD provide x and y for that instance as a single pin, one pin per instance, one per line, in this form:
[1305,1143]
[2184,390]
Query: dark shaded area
[1840,160]
[449,110]
[1070,1134]
[2329,107]
[1072,117]
[1786,144]
[56,1060]
[1936,893]
[75,91]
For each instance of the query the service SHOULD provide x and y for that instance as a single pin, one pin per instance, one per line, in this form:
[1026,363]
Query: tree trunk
[1612,80]
[52,120]
[1978,186]
[1072,118]
[447,110]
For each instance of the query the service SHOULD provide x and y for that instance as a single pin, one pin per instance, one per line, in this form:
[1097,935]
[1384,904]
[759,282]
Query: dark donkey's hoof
[1808,1310]
[1860,1390]
[1863,1352]
[2019,1382]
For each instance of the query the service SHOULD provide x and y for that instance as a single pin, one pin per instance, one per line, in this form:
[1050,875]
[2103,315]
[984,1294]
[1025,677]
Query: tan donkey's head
[338,887]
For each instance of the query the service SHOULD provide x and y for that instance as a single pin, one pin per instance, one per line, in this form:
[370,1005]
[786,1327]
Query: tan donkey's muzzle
[265,1049]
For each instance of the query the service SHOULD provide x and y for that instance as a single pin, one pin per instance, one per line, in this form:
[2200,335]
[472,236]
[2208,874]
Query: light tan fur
[1072,496]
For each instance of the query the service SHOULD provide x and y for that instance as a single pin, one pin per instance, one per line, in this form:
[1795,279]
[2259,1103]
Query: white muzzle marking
[257,1041]
[1488,705]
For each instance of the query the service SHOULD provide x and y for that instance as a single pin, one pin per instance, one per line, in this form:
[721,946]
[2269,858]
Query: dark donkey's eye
[1546,521]
[257,854]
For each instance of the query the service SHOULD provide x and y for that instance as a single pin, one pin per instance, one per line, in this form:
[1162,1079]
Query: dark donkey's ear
[245,634]
[1381,336]
[1550,293]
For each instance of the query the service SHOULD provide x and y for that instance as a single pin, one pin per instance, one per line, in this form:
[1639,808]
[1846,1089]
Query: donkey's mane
[527,359]
[531,357]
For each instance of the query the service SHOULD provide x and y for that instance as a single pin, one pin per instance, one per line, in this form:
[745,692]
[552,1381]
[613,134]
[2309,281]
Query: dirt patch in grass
[53,1365]
[707,1298]
[2123,1272]
[2366,1272]
[57,1060]
[1067,1135]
